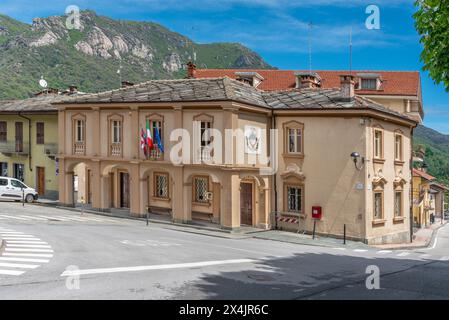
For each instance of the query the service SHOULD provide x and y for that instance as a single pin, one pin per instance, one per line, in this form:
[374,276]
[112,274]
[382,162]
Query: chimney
[307,80]
[73,89]
[347,85]
[126,84]
[424,167]
[191,70]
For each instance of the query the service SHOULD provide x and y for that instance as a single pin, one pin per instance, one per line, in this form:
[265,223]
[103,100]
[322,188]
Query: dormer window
[251,78]
[369,81]
[368,84]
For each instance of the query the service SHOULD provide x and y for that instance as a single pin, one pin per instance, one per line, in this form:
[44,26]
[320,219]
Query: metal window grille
[294,199]
[201,188]
[161,186]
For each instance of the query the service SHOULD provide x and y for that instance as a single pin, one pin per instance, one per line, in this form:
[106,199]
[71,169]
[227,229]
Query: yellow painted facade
[34,155]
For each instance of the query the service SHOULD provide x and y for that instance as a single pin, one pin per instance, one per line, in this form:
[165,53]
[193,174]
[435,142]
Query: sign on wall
[252,139]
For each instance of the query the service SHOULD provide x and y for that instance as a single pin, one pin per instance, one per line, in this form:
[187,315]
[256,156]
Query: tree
[432,23]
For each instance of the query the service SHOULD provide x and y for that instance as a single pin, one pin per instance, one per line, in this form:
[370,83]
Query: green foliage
[436,146]
[22,65]
[432,23]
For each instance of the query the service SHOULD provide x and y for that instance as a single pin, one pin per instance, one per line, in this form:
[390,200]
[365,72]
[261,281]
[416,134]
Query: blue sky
[277,29]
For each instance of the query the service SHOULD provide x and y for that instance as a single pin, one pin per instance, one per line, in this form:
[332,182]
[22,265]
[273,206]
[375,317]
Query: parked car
[13,189]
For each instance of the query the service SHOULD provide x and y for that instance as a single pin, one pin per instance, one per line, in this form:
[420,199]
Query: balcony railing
[205,154]
[14,147]
[116,149]
[155,154]
[79,148]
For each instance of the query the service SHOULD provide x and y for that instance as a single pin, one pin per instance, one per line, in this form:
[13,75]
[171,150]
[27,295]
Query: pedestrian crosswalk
[22,252]
[52,218]
[406,254]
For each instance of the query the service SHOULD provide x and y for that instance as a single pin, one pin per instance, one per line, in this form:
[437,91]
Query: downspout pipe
[411,184]
[29,140]
[273,126]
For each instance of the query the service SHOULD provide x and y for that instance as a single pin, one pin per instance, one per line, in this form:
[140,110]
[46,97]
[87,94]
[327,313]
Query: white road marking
[445,258]
[20,238]
[27,250]
[33,218]
[435,242]
[384,251]
[10,232]
[403,254]
[26,242]
[27,246]
[425,256]
[19,235]
[24,259]
[18,265]
[156,267]
[339,249]
[40,255]
[11,217]
[360,250]
[54,218]
[11,272]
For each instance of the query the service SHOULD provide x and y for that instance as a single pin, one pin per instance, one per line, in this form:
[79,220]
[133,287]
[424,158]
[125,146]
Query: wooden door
[19,136]
[124,190]
[246,203]
[40,180]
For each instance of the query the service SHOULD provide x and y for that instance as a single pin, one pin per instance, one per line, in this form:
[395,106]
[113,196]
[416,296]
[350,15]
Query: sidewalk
[305,239]
[422,238]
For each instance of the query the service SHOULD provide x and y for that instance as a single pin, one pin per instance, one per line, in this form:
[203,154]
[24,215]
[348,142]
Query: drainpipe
[273,126]
[29,139]
[411,184]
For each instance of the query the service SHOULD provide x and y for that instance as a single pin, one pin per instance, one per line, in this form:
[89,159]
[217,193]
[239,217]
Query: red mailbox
[316,212]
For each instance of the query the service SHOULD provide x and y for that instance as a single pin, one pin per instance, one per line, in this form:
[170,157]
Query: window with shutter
[40,133]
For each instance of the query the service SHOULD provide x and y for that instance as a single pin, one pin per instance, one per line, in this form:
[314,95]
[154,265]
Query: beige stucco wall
[389,170]
[329,171]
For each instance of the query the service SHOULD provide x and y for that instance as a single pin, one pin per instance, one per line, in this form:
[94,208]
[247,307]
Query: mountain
[436,146]
[90,56]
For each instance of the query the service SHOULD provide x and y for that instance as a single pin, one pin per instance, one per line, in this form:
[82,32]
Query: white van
[13,189]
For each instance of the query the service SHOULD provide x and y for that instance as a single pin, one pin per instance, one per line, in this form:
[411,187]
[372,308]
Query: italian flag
[149,138]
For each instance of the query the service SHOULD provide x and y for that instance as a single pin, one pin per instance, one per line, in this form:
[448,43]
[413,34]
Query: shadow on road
[325,276]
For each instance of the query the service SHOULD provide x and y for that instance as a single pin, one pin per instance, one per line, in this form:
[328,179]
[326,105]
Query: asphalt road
[51,253]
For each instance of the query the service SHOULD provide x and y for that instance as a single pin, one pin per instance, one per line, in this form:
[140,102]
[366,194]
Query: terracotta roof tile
[394,82]
[423,174]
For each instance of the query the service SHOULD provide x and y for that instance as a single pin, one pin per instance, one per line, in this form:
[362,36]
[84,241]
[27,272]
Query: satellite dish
[43,83]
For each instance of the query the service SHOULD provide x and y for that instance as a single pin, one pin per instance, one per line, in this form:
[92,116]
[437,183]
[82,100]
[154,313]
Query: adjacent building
[289,153]
[29,141]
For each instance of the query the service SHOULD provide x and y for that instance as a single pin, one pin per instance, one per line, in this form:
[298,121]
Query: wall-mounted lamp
[355,157]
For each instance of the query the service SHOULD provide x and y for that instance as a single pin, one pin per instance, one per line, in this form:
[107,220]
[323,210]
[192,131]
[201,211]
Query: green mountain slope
[90,57]
[437,151]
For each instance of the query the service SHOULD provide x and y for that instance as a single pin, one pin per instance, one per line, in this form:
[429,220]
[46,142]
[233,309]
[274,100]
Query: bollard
[314,227]
[148,214]
[23,198]
[344,234]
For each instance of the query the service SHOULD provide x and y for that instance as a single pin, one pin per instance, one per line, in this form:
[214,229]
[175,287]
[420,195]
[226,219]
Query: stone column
[135,133]
[96,132]
[265,219]
[105,187]
[62,135]
[134,184]
[95,168]
[68,192]
[230,218]
[179,207]
[144,199]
